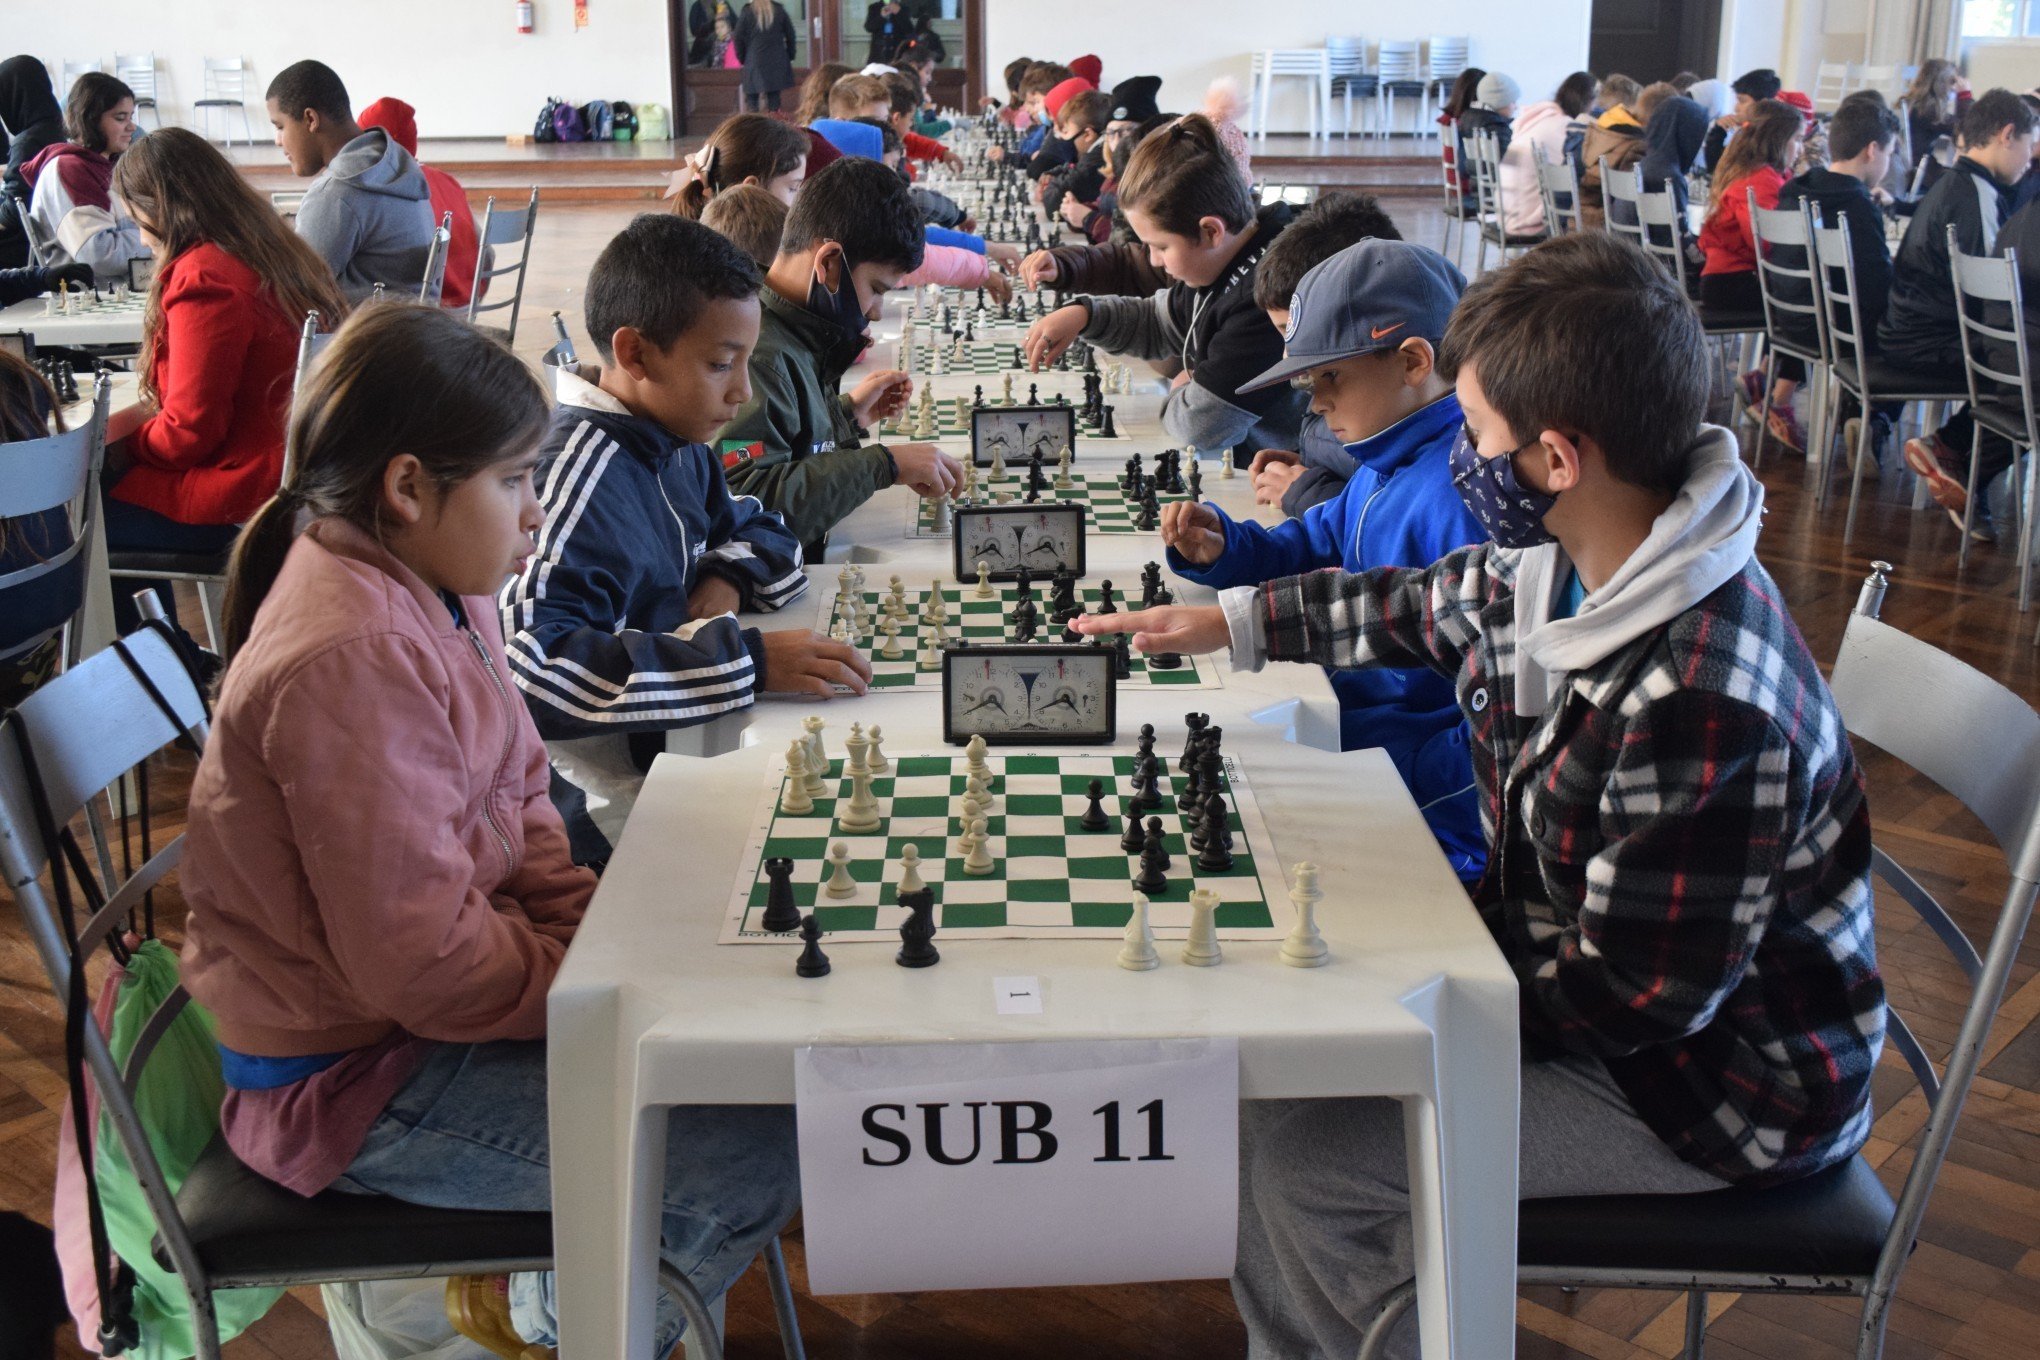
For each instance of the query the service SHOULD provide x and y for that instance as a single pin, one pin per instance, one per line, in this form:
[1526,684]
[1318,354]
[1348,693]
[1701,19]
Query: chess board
[1108,510]
[975,620]
[102,305]
[1052,879]
[976,358]
[950,424]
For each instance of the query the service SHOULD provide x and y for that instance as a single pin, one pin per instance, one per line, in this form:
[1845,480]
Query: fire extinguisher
[524,16]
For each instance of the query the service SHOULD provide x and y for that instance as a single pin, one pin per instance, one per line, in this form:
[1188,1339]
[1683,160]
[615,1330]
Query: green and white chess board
[952,422]
[1051,879]
[1107,510]
[975,620]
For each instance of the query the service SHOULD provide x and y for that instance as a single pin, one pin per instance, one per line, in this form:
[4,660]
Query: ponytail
[745,146]
[258,556]
[1182,174]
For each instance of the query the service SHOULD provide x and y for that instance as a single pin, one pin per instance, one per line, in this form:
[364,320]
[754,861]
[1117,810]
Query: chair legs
[1764,410]
[1856,456]
[1969,504]
[782,1302]
[2031,490]
[1696,1325]
[1398,1302]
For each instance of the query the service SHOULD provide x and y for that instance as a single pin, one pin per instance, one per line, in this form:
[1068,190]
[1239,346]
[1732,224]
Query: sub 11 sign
[970,1166]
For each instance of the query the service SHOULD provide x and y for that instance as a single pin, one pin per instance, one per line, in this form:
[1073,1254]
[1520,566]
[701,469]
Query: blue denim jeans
[468,1131]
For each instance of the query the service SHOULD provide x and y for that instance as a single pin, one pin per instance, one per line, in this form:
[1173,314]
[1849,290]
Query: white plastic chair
[1445,60]
[226,89]
[137,70]
[1350,76]
[1883,79]
[1830,83]
[1558,187]
[1399,70]
[511,226]
[72,70]
[1310,63]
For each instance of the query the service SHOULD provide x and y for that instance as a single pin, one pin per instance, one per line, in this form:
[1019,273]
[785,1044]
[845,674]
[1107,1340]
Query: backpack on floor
[542,130]
[653,124]
[597,119]
[567,124]
[623,122]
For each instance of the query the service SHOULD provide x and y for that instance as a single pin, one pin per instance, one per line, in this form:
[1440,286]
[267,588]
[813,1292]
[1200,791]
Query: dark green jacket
[814,468]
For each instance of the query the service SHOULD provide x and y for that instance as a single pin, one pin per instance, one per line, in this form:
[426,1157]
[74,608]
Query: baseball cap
[1373,295]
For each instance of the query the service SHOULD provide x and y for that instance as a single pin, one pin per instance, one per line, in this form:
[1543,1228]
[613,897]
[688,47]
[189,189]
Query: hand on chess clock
[1050,336]
[798,661]
[1273,471]
[1182,628]
[1037,269]
[1194,530]
[932,473]
[880,396]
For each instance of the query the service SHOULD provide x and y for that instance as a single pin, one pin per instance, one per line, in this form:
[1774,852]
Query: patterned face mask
[1512,513]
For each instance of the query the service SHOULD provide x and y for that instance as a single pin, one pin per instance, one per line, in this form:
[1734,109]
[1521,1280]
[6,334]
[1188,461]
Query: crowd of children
[462,626]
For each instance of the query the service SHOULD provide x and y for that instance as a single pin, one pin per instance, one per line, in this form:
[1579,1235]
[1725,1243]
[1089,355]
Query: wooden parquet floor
[1972,1291]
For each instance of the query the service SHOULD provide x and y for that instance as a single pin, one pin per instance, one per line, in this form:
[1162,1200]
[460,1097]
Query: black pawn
[1107,602]
[1196,723]
[917,932]
[1215,856]
[1135,839]
[1153,877]
[781,915]
[1147,794]
[1192,796]
[977,397]
[1161,844]
[1034,394]
[812,961]
[1165,661]
[1122,656]
[1095,817]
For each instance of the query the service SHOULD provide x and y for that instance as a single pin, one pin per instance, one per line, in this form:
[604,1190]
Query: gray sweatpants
[1324,1200]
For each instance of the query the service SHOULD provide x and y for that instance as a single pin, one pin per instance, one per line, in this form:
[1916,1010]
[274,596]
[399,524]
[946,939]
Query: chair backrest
[1400,62]
[87,729]
[1830,83]
[1883,79]
[1784,250]
[1447,58]
[1558,187]
[56,472]
[1661,229]
[434,286]
[510,226]
[1296,61]
[1451,174]
[561,355]
[1621,188]
[1485,151]
[137,70]
[1981,743]
[38,244]
[312,343]
[74,69]
[1347,56]
[226,78]
[1840,314]
[1990,306]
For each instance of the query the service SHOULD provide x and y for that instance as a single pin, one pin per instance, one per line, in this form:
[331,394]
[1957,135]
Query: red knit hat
[396,118]
[1090,68]
[1798,100]
[1063,93]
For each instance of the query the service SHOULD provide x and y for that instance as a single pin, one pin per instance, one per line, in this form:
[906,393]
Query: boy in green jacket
[797,445]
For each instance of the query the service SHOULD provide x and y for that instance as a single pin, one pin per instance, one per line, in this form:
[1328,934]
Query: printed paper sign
[972,1166]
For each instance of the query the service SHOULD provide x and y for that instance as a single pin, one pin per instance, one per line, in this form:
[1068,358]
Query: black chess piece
[1108,603]
[1135,839]
[1024,626]
[1034,394]
[917,932]
[1196,487]
[977,395]
[1131,474]
[781,915]
[1195,723]
[1150,583]
[1147,794]
[1108,430]
[1122,656]
[1150,512]
[1159,839]
[1215,855]
[1192,795]
[1154,858]
[812,961]
[1095,817]
[1165,661]
[1023,584]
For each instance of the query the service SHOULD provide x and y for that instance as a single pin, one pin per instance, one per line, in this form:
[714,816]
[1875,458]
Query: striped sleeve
[582,670]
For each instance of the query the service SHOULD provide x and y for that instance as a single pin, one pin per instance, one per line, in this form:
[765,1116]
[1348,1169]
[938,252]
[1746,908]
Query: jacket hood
[1619,117]
[395,117]
[1537,115]
[57,151]
[25,95]
[851,138]
[375,164]
[1678,129]
[1706,536]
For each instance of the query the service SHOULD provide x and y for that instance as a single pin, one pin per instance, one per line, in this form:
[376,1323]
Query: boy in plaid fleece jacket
[1680,846]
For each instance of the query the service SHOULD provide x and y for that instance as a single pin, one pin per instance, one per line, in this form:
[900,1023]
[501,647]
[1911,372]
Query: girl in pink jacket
[380,890]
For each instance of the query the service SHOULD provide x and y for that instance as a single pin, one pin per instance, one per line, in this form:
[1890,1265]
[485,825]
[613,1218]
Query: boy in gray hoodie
[369,211]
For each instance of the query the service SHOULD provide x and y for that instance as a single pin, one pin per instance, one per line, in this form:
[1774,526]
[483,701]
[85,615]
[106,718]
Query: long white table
[109,323]
[650,1012]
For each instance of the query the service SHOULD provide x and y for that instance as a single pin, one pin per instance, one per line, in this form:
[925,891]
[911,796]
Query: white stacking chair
[1312,64]
[1485,151]
[1558,186]
[1350,76]
[1830,83]
[433,289]
[1624,187]
[72,70]
[1399,70]
[1445,59]
[59,471]
[1883,79]
[1789,229]
[510,227]
[1991,305]
[137,70]
[226,91]
[286,202]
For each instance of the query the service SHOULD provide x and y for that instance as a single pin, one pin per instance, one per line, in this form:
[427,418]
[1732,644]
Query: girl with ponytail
[380,890]
[1186,199]
[749,148]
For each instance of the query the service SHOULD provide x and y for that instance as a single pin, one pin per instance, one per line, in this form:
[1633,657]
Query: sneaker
[1753,392]
[1871,468]
[1979,532]
[1785,429]
[1933,461]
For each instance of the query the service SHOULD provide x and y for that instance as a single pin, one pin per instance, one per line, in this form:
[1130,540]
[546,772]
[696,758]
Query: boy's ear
[1420,361]
[1562,459]
[1211,230]
[404,488]
[628,347]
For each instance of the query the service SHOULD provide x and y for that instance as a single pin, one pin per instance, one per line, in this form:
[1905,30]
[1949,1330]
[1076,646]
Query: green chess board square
[931,847]
[1100,868]
[1032,847]
[908,808]
[1038,890]
[921,766]
[1033,764]
[995,825]
[965,915]
[846,918]
[1100,914]
[795,848]
[1034,805]
[1243,916]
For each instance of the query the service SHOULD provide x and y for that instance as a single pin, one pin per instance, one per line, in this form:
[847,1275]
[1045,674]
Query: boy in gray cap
[1363,332]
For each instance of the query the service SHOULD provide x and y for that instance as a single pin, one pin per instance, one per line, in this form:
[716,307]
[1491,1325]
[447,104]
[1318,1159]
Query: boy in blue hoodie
[1363,335]
[622,624]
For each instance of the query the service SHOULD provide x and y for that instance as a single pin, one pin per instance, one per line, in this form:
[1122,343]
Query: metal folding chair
[1783,236]
[137,71]
[1399,70]
[2000,399]
[511,226]
[1486,150]
[59,472]
[433,289]
[226,89]
[1558,187]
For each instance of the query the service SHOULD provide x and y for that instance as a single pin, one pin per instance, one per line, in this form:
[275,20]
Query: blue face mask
[840,306]
[1512,513]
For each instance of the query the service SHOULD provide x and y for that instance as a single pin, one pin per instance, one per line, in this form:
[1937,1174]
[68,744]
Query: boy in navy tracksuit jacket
[622,626]
[1399,507]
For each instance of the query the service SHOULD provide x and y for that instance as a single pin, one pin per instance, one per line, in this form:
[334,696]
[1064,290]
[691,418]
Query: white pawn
[1305,948]
[1201,949]
[891,651]
[979,786]
[973,807]
[977,860]
[795,800]
[931,655]
[984,583]
[963,412]
[840,882]
[999,459]
[1007,398]
[910,870]
[1137,951]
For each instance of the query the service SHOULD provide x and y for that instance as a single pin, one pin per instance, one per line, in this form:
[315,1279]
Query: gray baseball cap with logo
[1373,295]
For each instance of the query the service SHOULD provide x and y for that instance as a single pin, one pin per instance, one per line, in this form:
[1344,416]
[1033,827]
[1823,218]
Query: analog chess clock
[1057,693]
[1045,538]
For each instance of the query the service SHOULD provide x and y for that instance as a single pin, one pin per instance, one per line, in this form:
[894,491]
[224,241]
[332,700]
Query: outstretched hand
[1184,628]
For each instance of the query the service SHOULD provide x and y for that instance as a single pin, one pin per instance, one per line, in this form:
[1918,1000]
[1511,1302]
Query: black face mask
[840,306]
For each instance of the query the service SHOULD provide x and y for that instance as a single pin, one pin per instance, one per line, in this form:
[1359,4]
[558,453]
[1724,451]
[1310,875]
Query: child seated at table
[74,208]
[1185,198]
[380,890]
[1364,331]
[752,218]
[798,443]
[622,625]
[1680,875]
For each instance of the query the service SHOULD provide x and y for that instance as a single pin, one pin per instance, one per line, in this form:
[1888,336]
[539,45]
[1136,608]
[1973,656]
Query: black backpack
[623,120]
[542,131]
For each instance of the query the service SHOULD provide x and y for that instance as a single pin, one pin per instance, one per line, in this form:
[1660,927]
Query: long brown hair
[764,11]
[1182,174]
[184,191]
[399,377]
[746,144]
[1931,87]
[1761,141]
[814,91]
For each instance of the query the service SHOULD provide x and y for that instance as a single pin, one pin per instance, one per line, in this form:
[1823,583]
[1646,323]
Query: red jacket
[921,148]
[224,361]
[1725,237]
[465,244]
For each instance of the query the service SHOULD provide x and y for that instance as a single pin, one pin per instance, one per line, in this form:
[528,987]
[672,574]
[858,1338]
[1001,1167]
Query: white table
[108,324]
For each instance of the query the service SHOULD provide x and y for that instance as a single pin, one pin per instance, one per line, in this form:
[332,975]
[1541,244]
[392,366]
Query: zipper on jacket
[509,730]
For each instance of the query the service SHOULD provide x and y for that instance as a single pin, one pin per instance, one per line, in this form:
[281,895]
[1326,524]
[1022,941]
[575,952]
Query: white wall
[460,63]
[1188,43]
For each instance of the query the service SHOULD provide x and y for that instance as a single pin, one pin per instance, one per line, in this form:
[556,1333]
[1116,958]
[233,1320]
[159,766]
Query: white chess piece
[795,801]
[998,460]
[1062,469]
[1007,398]
[979,786]
[1305,948]
[1137,950]
[817,757]
[855,748]
[861,812]
[978,861]
[910,870]
[875,758]
[840,882]
[943,522]
[931,658]
[891,651]
[975,763]
[937,606]
[984,583]
[1201,949]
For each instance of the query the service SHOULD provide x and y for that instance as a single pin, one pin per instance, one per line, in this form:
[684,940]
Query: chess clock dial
[1058,693]
[1044,538]
[1017,433]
